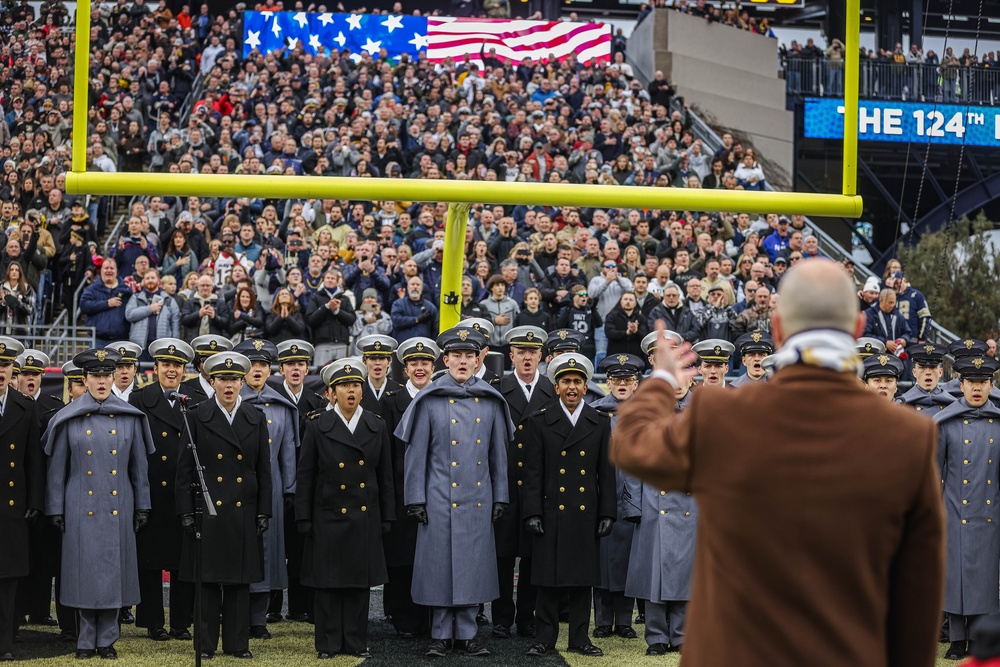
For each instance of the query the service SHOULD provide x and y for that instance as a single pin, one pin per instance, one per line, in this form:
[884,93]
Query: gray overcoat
[662,559]
[283,439]
[96,480]
[456,465]
[969,457]
[616,547]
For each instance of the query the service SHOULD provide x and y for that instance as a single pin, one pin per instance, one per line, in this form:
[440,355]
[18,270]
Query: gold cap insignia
[756,337]
[101,355]
[929,349]
[3,348]
[229,362]
[294,349]
[868,347]
[622,359]
[718,349]
[531,335]
[476,325]
[347,368]
[378,345]
[212,345]
[420,347]
[121,351]
[30,361]
[571,362]
[562,334]
[969,343]
[978,362]
[883,359]
[171,349]
[463,334]
[258,345]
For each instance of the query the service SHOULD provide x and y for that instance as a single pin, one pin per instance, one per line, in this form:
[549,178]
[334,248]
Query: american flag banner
[515,40]
[439,37]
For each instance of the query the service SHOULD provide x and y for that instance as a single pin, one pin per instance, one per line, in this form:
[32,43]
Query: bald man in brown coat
[820,538]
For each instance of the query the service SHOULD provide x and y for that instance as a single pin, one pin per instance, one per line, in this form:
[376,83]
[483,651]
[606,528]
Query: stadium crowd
[338,270]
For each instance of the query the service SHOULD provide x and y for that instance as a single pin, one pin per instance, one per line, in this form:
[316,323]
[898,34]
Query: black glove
[418,512]
[534,525]
[634,519]
[386,527]
[424,316]
[59,522]
[140,520]
[261,524]
[305,527]
[289,501]
[604,526]
[499,509]
[31,515]
[187,522]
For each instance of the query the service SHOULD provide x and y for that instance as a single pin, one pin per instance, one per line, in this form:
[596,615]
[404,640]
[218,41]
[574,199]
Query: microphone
[174,395]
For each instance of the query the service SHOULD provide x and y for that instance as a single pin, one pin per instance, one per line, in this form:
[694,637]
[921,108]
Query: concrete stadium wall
[727,73]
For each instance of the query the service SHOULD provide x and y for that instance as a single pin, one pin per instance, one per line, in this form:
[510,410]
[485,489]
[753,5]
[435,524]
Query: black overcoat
[237,465]
[344,487]
[570,483]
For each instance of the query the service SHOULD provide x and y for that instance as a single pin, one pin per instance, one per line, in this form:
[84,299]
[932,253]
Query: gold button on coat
[364,509]
[562,507]
[114,512]
[239,457]
[343,510]
[218,503]
[239,504]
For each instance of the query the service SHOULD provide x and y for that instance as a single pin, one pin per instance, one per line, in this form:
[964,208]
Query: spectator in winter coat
[605,291]
[716,316]
[500,308]
[133,245]
[245,317]
[675,315]
[152,313]
[330,316]
[364,273]
[371,318]
[413,315]
[555,288]
[533,314]
[204,312]
[625,327]
[103,305]
[777,240]
[885,322]
[285,320]
[582,318]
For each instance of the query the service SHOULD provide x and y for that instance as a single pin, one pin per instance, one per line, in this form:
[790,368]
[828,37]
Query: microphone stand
[201,495]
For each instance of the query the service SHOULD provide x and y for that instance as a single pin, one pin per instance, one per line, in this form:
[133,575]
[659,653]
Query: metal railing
[895,81]
[61,340]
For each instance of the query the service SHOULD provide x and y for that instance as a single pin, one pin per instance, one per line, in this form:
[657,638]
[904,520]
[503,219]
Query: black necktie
[527,388]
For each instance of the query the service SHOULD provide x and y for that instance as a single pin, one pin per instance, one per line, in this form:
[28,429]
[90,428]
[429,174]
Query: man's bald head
[816,294]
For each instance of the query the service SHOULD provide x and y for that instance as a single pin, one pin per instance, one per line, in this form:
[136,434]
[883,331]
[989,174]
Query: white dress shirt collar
[573,416]
[351,423]
[230,415]
[206,386]
[291,394]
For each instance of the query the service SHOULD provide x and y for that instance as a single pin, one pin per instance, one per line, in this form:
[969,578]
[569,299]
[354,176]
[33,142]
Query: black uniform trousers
[8,593]
[149,612]
[341,616]
[34,592]
[506,611]
[233,600]
[407,616]
[300,598]
[547,614]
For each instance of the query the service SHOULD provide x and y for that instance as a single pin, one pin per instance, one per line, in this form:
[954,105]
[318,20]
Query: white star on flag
[314,42]
[326,19]
[253,39]
[393,22]
[275,28]
[419,41]
[355,58]
[267,15]
[301,19]
[292,43]
[340,39]
[354,20]
[372,47]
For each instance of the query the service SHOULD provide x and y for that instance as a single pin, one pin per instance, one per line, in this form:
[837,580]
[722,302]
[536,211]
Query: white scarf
[826,348]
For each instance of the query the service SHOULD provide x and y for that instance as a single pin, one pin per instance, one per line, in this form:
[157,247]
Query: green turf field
[292,644]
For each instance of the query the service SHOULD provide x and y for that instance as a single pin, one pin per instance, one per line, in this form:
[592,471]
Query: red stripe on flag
[534,39]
